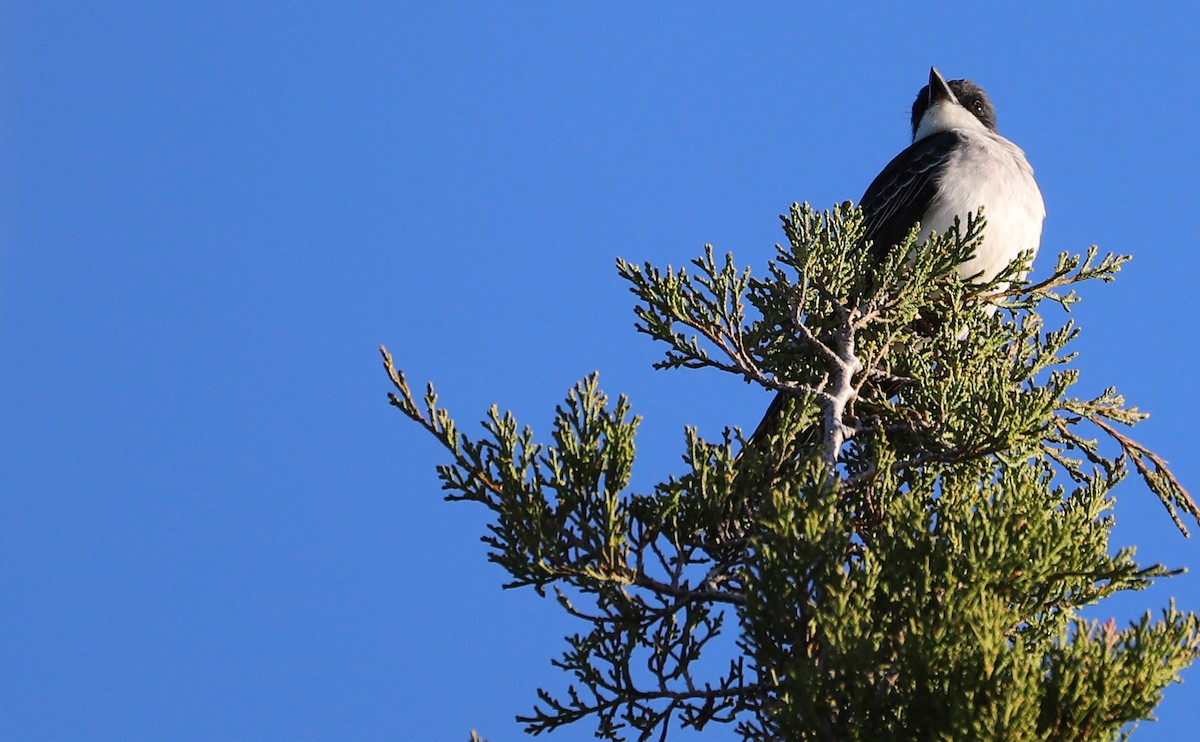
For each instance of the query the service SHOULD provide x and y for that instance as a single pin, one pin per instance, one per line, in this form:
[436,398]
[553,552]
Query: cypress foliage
[902,553]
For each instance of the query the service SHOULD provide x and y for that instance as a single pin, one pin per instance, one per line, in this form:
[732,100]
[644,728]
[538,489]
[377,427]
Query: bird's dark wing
[900,195]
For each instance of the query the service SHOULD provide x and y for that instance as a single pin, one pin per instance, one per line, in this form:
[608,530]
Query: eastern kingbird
[955,164]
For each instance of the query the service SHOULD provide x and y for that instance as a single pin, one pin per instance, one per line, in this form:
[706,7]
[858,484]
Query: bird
[957,162]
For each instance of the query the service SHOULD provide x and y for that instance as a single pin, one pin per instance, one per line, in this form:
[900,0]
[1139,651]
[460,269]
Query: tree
[903,553]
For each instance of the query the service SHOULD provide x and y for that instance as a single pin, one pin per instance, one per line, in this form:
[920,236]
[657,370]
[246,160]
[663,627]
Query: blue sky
[212,526]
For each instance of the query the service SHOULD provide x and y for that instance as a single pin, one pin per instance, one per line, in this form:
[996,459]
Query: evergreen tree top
[904,551]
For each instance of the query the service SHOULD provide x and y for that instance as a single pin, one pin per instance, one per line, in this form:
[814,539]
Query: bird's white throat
[943,116]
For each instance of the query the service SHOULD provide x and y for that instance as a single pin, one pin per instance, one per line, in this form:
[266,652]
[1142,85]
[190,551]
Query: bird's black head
[968,94]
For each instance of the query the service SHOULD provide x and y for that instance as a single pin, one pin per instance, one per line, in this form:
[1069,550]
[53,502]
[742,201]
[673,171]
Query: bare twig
[840,390]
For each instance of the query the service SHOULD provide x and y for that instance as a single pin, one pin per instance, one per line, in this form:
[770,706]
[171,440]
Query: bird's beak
[939,91]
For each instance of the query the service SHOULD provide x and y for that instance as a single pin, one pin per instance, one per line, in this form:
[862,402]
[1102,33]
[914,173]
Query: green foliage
[903,552]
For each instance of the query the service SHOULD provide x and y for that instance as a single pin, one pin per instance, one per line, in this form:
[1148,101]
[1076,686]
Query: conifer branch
[915,570]
[1157,475]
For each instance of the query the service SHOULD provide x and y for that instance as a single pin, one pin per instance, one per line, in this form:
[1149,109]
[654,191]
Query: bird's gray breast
[988,170]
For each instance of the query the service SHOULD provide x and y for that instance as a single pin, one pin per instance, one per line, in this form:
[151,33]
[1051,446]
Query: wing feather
[902,193]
